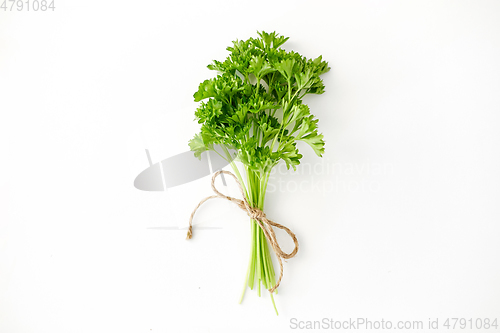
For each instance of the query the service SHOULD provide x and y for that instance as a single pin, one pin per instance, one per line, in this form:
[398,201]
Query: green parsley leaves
[254,105]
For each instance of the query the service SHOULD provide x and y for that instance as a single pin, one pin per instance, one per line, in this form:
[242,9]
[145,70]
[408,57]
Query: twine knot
[256,214]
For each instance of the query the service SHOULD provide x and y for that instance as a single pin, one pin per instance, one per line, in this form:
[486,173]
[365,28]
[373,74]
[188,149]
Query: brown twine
[256,214]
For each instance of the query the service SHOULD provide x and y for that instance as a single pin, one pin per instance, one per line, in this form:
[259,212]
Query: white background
[406,227]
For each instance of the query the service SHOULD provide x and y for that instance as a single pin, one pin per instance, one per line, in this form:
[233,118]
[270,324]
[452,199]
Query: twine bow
[256,214]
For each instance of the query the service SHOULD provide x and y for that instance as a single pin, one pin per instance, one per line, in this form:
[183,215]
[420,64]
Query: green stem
[260,268]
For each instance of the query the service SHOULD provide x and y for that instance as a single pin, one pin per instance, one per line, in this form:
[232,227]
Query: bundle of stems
[260,267]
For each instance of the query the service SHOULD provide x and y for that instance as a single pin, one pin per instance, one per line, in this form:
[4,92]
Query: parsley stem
[260,268]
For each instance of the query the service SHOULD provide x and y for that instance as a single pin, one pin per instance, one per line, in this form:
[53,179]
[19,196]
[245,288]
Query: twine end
[189,233]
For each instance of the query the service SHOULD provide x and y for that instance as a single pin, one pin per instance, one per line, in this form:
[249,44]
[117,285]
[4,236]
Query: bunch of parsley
[254,107]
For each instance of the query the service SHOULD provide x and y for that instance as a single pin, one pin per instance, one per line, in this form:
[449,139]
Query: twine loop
[255,214]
